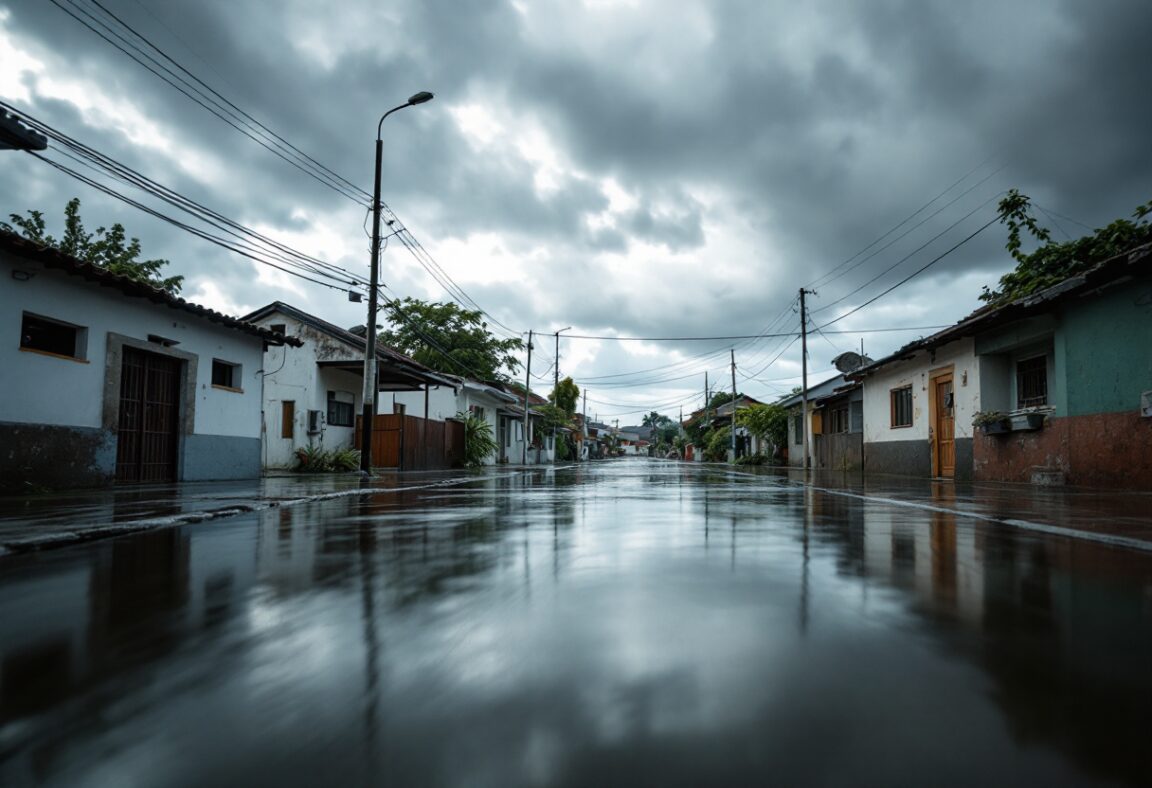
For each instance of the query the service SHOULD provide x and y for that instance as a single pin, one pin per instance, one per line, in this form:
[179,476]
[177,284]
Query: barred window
[1032,382]
[902,407]
[838,420]
[340,409]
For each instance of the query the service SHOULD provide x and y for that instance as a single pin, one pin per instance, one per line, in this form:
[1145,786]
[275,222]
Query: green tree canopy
[1053,261]
[721,398]
[767,422]
[107,248]
[655,419]
[566,395]
[450,339]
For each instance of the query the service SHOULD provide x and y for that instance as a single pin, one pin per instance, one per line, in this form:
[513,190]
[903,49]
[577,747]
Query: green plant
[313,459]
[982,417]
[751,459]
[719,441]
[345,459]
[479,442]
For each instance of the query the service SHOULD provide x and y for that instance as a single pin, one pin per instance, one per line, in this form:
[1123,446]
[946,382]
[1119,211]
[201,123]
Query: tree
[767,422]
[450,339]
[566,395]
[106,247]
[721,398]
[1053,261]
[655,419]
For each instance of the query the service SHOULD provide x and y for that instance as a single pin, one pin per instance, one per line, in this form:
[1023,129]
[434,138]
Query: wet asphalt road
[628,623]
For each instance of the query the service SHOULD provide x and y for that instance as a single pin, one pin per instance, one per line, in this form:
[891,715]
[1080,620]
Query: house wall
[292,375]
[907,450]
[1100,362]
[58,416]
[443,402]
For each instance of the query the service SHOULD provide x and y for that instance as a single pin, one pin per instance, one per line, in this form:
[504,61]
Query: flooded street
[625,623]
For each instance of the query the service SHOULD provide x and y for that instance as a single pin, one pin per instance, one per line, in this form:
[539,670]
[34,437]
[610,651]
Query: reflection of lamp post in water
[369,409]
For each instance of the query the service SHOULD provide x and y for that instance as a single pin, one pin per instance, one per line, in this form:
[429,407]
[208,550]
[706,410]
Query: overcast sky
[643,168]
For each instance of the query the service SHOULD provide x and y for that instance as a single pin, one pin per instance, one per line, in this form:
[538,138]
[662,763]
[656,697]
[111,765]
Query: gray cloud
[760,144]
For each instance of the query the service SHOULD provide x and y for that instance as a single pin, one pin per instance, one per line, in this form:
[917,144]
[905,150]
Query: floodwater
[628,623]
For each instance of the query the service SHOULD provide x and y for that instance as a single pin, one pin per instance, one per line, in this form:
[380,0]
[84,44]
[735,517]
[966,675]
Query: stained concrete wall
[37,456]
[213,457]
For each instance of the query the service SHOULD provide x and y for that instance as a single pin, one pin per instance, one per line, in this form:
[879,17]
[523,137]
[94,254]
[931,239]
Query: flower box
[996,427]
[1026,421]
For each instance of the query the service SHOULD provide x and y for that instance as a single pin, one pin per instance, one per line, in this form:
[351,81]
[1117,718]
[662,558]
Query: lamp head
[420,98]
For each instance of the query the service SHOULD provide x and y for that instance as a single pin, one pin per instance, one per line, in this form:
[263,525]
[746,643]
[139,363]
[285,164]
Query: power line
[198,91]
[748,336]
[918,271]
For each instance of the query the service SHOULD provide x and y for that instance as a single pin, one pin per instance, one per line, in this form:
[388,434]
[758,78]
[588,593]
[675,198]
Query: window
[797,429]
[1032,382]
[340,409]
[225,374]
[477,411]
[279,328]
[288,419]
[902,407]
[838,420]
[45,335]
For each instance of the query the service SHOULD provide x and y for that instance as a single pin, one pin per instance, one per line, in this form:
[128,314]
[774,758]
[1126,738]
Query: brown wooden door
[944,432]
[147,434]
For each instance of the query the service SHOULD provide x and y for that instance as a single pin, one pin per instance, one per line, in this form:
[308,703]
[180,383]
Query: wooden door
[944,427]
[147,432]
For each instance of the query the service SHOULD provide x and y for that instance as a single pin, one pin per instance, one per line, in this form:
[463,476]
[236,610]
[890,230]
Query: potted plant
[991,422]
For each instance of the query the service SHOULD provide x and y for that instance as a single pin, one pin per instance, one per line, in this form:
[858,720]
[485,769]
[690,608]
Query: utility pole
[555,386]
[804,371]
[584,437]
[705,398]
[527,381]
[733,428]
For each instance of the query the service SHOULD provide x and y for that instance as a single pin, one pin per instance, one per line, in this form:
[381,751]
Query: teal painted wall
[1108,349]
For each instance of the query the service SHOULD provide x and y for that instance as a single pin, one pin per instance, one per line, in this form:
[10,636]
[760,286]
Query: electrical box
[1146,404]
[314,422]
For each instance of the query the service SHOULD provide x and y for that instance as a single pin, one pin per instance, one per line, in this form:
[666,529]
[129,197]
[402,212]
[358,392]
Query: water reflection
[624,623]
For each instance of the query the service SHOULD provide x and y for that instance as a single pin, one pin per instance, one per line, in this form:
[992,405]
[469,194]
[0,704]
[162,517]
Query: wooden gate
[147,432]
[414,444]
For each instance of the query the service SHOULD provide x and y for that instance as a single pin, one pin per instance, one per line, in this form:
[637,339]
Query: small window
[1032,382]
[278,328]
[902,407]
[838,420]
[225,374]
[288,419]
[52,336]
[797,429]
[340,409]
[477,411]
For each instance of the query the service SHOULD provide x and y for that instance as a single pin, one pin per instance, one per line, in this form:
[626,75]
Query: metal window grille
[1032,382]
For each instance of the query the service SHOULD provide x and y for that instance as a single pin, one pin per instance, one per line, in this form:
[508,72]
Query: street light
[369,410]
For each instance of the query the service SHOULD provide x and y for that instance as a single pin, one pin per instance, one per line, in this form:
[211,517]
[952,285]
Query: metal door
[147,434]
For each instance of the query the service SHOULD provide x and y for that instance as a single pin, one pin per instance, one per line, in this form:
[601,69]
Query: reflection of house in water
[1062,627]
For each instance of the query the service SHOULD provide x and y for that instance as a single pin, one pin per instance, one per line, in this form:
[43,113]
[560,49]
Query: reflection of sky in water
[624,631]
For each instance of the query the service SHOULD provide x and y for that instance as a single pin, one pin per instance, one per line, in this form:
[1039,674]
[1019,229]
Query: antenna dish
[850,362]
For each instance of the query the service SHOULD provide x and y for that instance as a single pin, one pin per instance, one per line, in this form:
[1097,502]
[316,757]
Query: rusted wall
[1096,450]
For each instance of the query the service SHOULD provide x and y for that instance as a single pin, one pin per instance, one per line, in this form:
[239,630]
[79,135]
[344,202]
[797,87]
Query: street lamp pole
[369,409]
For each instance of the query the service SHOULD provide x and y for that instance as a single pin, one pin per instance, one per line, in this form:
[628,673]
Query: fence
[410,443]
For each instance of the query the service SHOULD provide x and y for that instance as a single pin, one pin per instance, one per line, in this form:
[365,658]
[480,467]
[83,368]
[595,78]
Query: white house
[107,379]
[918,408]
[312,394]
